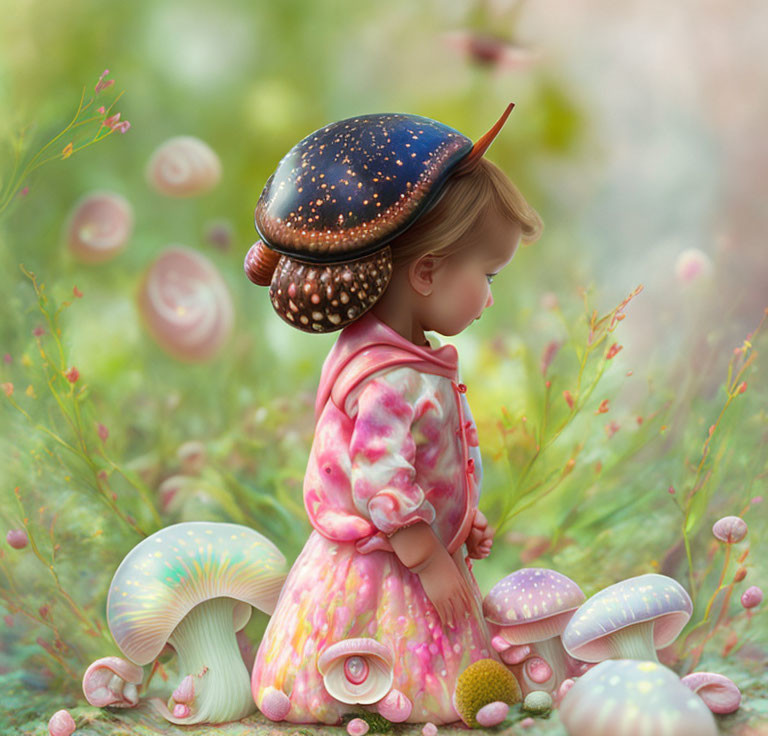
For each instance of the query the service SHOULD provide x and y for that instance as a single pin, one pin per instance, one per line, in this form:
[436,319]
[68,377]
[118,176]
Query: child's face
[460,283]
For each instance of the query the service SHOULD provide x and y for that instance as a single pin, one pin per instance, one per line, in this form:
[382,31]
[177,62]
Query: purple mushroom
[629,620]
[192,585]
[533,606]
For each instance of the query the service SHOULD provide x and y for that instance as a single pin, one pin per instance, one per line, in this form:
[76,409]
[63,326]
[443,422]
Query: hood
[368,345]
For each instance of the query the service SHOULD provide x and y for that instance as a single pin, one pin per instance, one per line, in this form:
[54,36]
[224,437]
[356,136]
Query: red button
[461,388]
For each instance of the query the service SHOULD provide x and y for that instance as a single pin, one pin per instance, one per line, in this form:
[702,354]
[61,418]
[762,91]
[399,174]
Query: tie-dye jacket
[394,441]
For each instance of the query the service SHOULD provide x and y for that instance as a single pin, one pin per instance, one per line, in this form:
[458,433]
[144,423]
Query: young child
[381,610]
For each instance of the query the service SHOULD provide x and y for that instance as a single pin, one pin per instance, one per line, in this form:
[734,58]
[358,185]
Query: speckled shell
[350,187]
[317,298]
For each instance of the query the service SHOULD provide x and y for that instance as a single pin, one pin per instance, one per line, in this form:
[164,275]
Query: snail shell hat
[335,201]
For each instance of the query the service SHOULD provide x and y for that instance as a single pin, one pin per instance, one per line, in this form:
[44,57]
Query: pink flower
[23,192]
[751,597]
[111,121]
[101,84]
[103,431]
[7,358]
[72,375]
[122,127]
[8,388]
[101,110]
[38,331]
[692,264]
[77,292]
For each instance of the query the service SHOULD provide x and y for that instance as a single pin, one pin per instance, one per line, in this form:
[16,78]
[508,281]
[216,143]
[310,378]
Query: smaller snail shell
[183,166]
[99,226]
[260,263]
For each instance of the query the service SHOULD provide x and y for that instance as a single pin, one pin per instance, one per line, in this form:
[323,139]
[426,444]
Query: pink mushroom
[17,538]
[531,608]
[185,304]
[719,693]
[112,681]
[183,166]
[99,227]
[730,529]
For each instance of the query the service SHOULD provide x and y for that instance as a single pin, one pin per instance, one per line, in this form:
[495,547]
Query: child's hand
[480,537]
[446,588]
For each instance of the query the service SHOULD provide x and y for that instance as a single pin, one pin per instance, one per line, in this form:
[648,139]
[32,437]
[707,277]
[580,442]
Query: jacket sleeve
[383,451]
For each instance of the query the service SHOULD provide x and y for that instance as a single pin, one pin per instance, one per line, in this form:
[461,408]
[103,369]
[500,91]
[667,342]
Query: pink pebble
[527,722]
[430,729]
[538,670]
[275,704]
[357,727]
[181,710]
[751,597]
[719,693]
[492,714]
[565,686]
[61,723]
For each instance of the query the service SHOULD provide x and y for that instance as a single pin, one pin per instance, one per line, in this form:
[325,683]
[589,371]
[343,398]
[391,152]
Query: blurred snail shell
[183,166]
[99,226]
[185,304]
[260,263]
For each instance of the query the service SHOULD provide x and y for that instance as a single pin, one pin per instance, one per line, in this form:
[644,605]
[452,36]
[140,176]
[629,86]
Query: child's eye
[490,276]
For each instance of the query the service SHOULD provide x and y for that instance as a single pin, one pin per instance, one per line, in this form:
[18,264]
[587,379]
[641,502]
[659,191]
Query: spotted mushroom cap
[533,604]
[164,576]
[644,598]
[351,186]
[624,697]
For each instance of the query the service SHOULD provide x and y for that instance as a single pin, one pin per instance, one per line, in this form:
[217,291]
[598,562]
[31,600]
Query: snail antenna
[481,146]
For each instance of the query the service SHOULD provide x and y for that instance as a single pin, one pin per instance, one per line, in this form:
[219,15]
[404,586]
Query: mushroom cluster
[192,586]
[527,612]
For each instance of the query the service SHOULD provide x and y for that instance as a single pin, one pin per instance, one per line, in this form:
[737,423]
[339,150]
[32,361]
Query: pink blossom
[17,538]
[111,121]
[7,358]
[122,127]
[38,331]
[101,84]
[101,110]
[103,431]
[72,375]
[23,192]
[751,597]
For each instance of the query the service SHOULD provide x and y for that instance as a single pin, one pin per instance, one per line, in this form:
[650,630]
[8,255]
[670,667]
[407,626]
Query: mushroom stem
[205,638]
[634,642]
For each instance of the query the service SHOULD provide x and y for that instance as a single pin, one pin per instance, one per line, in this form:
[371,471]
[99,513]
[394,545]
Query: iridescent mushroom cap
[624,697]
[534,602]
[599,629]
[173,570]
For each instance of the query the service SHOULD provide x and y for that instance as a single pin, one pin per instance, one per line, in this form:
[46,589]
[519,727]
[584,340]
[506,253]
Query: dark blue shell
[348,188]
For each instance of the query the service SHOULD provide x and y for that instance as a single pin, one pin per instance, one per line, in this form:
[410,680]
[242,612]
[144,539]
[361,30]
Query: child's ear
[420,274]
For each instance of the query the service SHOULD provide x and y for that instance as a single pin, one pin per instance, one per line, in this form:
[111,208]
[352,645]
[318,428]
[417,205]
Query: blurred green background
[638,136]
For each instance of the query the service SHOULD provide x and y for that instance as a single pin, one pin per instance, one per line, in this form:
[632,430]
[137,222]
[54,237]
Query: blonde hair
[441,229]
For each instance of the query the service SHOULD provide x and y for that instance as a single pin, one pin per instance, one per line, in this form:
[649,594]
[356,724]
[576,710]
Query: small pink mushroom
[730,529]
[181,710]
[430,729]
[719,693]
[61,724]
[112,681]
[492,714]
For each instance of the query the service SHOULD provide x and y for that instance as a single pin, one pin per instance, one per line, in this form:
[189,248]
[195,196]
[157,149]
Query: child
[381,610]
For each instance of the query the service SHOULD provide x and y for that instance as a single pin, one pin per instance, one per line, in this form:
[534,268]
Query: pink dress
[394,444]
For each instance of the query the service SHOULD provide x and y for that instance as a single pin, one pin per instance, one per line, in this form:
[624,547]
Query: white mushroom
[192,585]
[357,670]
[112,681]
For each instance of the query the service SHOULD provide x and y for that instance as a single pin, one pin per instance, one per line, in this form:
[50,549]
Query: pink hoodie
[432,480]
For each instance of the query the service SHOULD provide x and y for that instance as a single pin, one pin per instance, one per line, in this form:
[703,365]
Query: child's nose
[489,301]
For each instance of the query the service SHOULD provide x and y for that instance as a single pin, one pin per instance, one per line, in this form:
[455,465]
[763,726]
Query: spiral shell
[183,166]
[317,298]
[99,226]
[185,304]
[357,670]
[260,263]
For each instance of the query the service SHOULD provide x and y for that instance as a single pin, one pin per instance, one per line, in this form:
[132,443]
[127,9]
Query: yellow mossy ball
[484,682]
